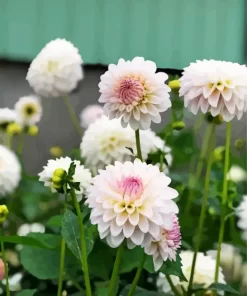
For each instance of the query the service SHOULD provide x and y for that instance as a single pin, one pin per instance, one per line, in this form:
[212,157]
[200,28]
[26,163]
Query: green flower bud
[239,143]
[58,178]
[60,173]
[219,153]
[32,130]
[217,119]
[3,213]
[13,129]
[56,151]
[178,125]
[174,84]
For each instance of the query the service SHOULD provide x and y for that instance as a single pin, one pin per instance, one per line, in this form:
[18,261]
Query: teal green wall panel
[171,32]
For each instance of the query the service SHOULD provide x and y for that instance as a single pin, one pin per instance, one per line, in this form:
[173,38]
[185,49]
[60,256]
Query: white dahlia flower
[56,70]
[132,201]
[25,229]
[203,274]
[242,214]
[28,110]
[236,174]
[133,91]
[106,141]
[82,175]
[10,171]
[230,260]
[217,87]
[165,245]
[6,116]
[90,114]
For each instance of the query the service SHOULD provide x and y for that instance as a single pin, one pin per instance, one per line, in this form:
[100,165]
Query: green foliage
[223,287]
[27,292]
[71,234]
[140,292]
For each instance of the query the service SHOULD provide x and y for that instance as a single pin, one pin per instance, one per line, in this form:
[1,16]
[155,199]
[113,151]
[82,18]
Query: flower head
[82,175]
[203,274]
[13,129]
[106,141]
[242,214]
[28,110]
[236,174]
[6,116]
[90,114]
[10,171]
[165,245]
[56,70]
[217,87]
[133,91]
[25,229]
[132,201]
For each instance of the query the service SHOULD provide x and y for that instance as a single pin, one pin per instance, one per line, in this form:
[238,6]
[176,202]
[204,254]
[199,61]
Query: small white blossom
[25,229]
[236,174]
[6,116]
[242,214]
[90,114]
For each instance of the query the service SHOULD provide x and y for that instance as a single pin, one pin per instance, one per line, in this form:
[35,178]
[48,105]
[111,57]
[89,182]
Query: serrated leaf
[131,259]
[27,292]
[41,263]
[71,234]
[223,287]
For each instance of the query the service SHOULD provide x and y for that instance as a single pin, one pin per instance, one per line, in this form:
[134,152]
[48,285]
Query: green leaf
[140,292]
[169,267]
[71,170]
[41,263]
[71,234]
[41,240]
[55,221]
[223,287]
[101,260]
[131,259]
[27,292]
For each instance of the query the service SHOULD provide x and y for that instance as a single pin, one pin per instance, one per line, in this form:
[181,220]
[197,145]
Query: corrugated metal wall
[171,32]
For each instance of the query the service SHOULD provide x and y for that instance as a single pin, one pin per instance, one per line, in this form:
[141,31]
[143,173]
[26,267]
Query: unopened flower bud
[216,120]
[13,129]
[32,130]
[178,125]
[239,143]
[2,270]
[174,84]
[64,293]
[58,178]
[3,213]
[56,151]
[219,153]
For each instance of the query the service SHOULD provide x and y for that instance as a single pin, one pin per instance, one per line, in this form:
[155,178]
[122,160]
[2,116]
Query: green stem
[138,144]
[224,199]
[61,269]
[194,178]
[114,277]
[173,288]
[83,244]
[203,209]
[20,144]
[6,269]
[137,276]
[73,115]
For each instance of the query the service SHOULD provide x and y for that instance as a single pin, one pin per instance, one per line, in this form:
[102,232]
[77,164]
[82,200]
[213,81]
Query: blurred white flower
[230,261]
[244,278]
[106,141]
[14,281]
[10,171]
[25,229]
[203,275]
[236,174]
[82,175]
[6,116]
[56,70]
[28,110]
[133,91]
[165,245]
[242,214]
[217,87]
[90,114]
[132,201]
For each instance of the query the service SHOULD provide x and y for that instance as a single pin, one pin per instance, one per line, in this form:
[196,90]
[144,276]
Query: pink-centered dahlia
[217,87]
[132,201]
[133,91]
[165,245]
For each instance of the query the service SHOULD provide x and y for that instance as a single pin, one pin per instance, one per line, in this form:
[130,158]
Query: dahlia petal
[121,218]
[156,118]
[151,109]
[158,262]
[207,91]
[150,250]
[115,229]
[128,229]
[146,210]
[109,215]
[154,229]
[134,123]
[143,224]
[130,244]
[137,237]
[134,218]
[230,105]
[227,94]
[119,207]
[143,108]
[103,226]
[204,104]
[136,113]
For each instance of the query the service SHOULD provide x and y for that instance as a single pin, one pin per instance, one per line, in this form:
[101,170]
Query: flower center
[129,90]
[51,66]
[132,187]
[29,110]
